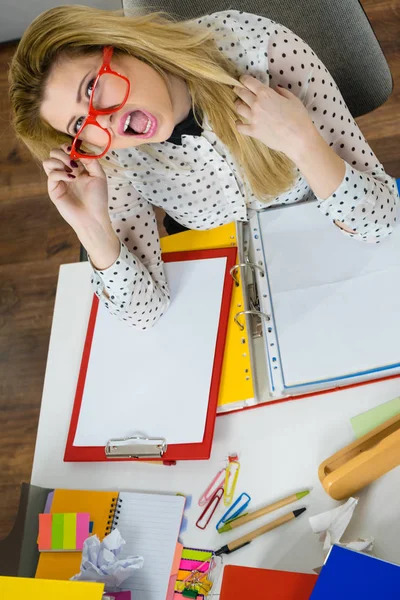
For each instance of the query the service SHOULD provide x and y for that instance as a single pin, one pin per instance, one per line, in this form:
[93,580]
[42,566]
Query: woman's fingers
[59,154]
[60,175]
[93,167]
[58,182]
[52,164]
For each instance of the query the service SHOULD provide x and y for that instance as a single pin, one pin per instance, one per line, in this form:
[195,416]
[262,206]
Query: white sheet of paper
[156,382]
[150,526]
[335,299]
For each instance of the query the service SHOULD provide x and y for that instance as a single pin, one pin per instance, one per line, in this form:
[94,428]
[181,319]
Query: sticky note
[200,555]
[69,531]
[63,531]
[370,419]
[57,532]
[44,532]
[82,528]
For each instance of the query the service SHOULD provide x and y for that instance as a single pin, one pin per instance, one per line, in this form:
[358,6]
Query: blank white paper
[335,299]
[150,526]
[156,383]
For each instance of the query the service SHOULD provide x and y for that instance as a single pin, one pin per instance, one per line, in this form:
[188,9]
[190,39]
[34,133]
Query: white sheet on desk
[335,299]
[156,382]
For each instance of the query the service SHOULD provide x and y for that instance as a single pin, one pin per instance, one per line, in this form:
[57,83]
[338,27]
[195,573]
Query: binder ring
[249,312]
[252,266]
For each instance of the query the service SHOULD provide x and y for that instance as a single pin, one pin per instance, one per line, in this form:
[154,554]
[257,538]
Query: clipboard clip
[136,447]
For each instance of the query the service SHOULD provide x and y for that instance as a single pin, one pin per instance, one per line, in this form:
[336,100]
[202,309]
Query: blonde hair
[184,49]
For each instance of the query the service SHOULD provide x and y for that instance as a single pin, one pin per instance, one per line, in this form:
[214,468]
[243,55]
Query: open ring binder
[250,312]
[245,264]
[136,447]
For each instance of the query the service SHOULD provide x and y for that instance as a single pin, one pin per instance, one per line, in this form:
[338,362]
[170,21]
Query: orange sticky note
[45,521]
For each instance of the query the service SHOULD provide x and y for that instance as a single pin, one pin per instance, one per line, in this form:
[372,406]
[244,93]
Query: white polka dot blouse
[198,184]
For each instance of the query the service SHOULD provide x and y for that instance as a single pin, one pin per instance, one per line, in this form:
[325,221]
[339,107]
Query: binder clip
[232,468]
[210,509]
[231,514]
[201,580]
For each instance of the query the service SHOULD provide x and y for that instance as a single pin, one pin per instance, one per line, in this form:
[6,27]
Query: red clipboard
[174,452]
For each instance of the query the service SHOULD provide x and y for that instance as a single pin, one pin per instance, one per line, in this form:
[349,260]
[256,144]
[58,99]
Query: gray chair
[337,30]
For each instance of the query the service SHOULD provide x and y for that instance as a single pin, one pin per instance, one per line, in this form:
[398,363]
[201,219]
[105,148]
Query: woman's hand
[78,189]
[276,117]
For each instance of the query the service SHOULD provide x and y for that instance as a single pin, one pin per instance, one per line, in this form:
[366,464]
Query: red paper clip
[211,508]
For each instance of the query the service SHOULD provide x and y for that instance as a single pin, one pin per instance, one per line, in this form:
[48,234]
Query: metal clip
[136,447]
[246,264]
[250,312]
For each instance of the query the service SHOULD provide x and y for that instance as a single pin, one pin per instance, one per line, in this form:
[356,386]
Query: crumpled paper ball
[100,561]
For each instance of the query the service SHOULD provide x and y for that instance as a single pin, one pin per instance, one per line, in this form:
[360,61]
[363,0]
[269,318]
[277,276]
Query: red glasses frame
[93,113]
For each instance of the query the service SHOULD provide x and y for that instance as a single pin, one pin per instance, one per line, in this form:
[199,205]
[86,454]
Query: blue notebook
[348,575]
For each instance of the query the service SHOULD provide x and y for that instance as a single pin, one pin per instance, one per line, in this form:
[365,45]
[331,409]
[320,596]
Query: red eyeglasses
[108,85]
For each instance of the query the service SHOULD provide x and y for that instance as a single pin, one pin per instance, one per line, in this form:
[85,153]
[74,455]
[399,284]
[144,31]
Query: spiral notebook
[329,303]
[149,524]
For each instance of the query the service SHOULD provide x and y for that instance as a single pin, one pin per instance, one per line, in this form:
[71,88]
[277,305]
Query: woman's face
[68,88]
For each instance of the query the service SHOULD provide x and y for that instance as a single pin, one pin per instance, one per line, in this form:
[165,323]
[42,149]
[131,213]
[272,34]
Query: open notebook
[332,301]
[149,524]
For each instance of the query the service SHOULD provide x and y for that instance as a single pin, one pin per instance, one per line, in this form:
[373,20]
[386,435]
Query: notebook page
[150,525]
[335,300]
[156,382]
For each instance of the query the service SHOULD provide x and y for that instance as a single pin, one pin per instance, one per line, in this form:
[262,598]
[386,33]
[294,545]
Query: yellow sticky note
[23,588]
[69,531]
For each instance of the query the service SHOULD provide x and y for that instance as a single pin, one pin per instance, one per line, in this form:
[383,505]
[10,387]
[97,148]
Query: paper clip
[231,513]
[210,509]
[233,466]
[216,483]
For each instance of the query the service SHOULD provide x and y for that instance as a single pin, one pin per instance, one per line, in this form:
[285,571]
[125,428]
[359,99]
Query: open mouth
[139,123]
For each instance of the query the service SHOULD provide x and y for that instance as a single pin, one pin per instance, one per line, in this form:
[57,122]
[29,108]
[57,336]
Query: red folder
[260,584]
[174,452]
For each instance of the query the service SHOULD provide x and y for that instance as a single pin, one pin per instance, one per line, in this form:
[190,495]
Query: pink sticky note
[174,572]
[82,529]
[44,540]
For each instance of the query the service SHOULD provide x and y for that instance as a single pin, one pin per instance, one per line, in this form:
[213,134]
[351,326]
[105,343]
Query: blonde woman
[208,119]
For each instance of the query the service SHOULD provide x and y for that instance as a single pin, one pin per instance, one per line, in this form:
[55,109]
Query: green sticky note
[192,554]
[366,421]
[57,532]
[69,531]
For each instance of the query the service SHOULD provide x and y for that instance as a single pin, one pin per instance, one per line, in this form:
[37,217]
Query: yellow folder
[23,588]
[236,378]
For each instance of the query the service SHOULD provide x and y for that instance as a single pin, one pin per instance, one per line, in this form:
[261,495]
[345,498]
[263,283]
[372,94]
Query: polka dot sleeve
[134,288]
[366,198]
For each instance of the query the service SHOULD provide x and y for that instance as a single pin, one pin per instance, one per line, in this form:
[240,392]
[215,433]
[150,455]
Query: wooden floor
[34,241]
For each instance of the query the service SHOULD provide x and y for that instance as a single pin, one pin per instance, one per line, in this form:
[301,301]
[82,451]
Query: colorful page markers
[63,532]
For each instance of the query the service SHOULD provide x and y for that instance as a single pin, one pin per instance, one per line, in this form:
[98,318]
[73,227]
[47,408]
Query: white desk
[280,448]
